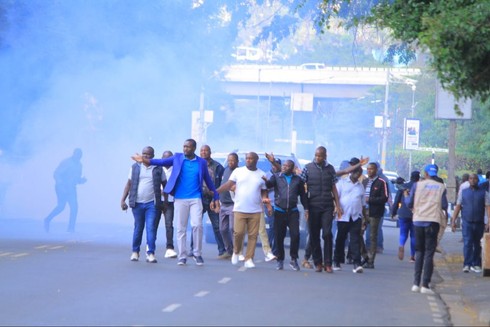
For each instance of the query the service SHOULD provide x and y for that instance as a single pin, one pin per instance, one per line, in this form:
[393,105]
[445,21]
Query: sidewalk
[467,295]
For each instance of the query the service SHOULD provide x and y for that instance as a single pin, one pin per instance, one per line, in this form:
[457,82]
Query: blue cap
[431,170]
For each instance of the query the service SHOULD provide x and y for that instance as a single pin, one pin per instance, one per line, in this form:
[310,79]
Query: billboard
[445,102]
[411,134]
[302,101]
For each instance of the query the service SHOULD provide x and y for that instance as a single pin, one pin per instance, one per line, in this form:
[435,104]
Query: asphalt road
[86,278]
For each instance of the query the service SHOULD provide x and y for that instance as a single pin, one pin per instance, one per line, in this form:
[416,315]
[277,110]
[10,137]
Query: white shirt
[249,183]
[145,185]
[352,198]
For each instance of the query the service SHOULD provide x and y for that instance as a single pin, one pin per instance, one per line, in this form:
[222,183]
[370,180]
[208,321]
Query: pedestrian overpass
[328,82]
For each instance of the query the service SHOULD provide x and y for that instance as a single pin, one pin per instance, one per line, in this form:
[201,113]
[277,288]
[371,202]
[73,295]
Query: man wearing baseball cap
[428,201]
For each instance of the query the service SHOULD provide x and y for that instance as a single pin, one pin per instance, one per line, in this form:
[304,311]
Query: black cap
[399,180]
[415,176]
[277,160]
[354,161]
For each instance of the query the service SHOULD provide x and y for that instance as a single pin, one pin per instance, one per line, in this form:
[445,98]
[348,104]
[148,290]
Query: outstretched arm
[226,186]
[272,160]
[349,169]
[139,158]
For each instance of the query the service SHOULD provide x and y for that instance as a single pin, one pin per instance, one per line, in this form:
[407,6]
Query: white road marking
[201,294]
[224,280]
[171,308]
[18,255]
[4,254]
[41,247]
[56,247]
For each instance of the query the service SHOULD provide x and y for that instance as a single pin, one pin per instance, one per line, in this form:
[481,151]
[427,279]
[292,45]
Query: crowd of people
[240,201]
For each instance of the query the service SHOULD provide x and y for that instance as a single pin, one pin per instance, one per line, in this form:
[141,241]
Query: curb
[462,311]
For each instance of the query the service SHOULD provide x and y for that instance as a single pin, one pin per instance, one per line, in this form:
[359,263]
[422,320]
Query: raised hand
[137,157]
[364,160]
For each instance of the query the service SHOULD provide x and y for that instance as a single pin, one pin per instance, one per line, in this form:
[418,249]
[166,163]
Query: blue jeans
[269,227]
[425,247]
[144,213]
[472,234]
[406,228]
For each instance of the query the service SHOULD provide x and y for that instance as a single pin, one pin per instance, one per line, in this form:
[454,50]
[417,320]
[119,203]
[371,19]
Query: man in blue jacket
[185,184]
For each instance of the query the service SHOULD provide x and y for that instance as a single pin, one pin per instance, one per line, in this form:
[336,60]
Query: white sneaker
[466,269]
[241,257]
[135,256]
[415,289]
[170,253]
[358,270]
[269,257]
[234,259]
[151,258]
[425,290]
[249,264]
[476,269]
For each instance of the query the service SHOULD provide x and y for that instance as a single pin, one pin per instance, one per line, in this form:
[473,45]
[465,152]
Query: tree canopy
[454,32]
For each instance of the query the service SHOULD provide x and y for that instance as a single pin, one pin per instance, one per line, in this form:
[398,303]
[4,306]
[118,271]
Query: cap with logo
[431,170]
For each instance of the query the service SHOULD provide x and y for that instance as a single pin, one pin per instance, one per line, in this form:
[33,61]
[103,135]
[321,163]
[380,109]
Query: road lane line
[40,247]
[171,308]
[18,255]
[224,280]
[201,294]
[56,247]
[4,254]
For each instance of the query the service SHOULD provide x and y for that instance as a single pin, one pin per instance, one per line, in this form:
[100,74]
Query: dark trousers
[353,229]
[308,247]
[214,218]
[321,221]
[425,246]
[472,234]
[283,221]
[169,225]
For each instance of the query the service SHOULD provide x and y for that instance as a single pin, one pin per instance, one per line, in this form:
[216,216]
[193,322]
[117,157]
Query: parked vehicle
[312,66]
[245,54]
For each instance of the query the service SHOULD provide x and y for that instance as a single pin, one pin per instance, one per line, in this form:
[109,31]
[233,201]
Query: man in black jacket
[287,188]
[376,197]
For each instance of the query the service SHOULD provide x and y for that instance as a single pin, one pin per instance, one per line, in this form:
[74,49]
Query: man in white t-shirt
[250,194]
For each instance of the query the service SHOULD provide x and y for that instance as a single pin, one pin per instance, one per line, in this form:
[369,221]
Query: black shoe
[364,261]
[294,264]
[199,261]
[280,265]
[368,265]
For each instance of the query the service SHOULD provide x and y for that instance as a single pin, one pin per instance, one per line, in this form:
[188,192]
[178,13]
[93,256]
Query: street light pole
[413,113]
[385,121]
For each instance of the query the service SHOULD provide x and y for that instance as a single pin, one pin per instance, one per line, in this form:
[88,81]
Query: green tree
[454,32]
